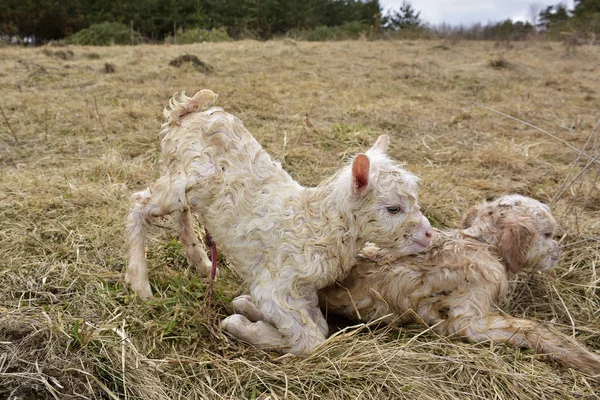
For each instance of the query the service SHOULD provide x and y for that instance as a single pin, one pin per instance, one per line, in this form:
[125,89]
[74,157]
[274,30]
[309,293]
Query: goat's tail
[531,335]
[181,105]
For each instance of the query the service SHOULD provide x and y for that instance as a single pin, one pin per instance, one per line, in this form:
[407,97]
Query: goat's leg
[245,306]
[317,315]
[246,325]
[299,320]
[166,196]
[260,334]
[194,249]
[137,225]
[292,318]
[527,334]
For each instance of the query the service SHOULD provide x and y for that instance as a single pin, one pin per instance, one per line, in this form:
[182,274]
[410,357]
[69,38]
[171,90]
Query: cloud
[471,11]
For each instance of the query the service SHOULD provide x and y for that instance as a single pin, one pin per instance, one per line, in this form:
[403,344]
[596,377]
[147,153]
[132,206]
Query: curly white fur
[285,240]
[457,282]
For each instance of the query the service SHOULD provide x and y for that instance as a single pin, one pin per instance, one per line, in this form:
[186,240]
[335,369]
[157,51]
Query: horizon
[470,12]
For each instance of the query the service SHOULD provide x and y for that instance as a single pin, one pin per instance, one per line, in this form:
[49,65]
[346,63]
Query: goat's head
[383,203]
[520,228]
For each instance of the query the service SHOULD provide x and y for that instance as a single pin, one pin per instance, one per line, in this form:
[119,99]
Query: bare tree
[534,12]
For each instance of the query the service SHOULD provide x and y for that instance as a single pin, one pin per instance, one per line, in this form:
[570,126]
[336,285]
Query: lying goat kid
[455,284]
[286,241]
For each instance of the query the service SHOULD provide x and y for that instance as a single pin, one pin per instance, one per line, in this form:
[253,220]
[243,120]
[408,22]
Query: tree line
[155,19]
[554,22]
[584,18]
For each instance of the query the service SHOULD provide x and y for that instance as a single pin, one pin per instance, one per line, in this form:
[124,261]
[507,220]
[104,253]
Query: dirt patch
[193,60]
[60,54]
[109,68]
[500,63]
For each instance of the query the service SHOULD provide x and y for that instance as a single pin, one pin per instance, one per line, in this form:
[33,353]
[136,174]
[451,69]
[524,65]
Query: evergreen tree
[586,15]
[406,17]
[56,19]
[586,8]
[553,16]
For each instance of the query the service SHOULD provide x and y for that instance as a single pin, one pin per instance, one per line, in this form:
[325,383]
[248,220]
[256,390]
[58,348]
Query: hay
[86,140]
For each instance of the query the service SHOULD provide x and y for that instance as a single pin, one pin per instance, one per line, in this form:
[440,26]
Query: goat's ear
[381,145]
[360,173]
[469,217]
[517,238]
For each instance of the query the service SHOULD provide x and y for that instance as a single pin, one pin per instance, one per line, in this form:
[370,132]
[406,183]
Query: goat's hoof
[144,292]
[370,252]
[204,270]
[244,305]
[233,323]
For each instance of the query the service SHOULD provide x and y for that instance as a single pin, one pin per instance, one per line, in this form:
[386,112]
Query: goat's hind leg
[163,199]
[137,225]
[194,250]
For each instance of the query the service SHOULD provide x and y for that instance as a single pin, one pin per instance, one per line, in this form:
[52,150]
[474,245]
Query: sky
[468,12]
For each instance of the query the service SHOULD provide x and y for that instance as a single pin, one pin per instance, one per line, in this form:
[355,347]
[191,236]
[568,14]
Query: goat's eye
[548,235]
[394,209]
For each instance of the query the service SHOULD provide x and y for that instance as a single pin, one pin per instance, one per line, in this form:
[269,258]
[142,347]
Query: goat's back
[457,272]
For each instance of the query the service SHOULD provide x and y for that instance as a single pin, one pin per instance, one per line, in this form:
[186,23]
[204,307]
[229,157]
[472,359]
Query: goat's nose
[428,234]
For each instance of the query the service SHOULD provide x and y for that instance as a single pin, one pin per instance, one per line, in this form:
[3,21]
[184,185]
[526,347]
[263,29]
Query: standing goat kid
[455,285]
[286,241]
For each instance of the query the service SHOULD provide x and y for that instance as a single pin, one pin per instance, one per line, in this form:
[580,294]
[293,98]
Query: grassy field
[76,141]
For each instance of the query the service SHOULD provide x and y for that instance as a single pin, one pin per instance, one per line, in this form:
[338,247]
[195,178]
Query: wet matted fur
[455,285]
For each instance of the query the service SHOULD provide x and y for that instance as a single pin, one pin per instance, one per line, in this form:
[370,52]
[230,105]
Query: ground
[77,137]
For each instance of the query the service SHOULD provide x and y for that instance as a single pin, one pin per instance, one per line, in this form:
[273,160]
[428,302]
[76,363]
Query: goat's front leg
[292,319]
[316,314]
[245,306]
[260,334]
[527,334]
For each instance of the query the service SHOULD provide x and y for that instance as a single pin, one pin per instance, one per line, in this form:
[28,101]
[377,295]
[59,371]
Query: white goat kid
[286,241]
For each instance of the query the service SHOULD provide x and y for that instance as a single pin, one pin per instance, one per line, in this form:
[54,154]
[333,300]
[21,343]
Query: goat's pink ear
[516,241]
[360,173]
[469,217]
[381,145]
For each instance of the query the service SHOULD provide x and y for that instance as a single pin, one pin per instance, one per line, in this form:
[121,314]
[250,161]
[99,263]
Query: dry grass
[76,142]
